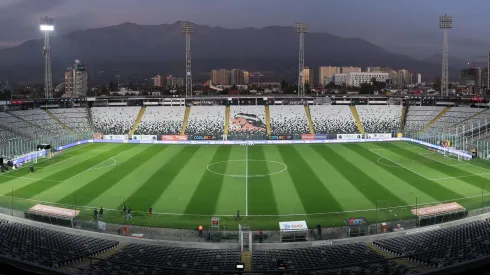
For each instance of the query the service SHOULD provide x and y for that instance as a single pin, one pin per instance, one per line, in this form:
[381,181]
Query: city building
[403,78]
[76,80]
[220,77]
[475,79]
[326,74]
[339,79]
[419,78]
[355,79]
[158,81]
[308,76]
[350,69]
[488,74]
[374,69]
[237,77]
[246,77]
[175,82]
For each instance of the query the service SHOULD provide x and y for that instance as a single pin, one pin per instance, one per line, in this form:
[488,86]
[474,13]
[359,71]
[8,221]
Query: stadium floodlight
[47,26]
[188,28]
[445,23]
[302,29]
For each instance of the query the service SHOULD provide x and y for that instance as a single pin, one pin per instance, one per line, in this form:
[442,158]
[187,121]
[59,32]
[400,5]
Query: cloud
[20,18]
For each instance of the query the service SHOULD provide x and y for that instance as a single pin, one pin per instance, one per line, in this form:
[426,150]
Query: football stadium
[245,185]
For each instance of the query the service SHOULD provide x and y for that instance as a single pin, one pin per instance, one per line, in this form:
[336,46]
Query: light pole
[188,29]
[47,27]
[302,29]
[445,23]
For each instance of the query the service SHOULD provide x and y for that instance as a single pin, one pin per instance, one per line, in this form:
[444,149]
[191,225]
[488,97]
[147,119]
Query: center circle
[240,168]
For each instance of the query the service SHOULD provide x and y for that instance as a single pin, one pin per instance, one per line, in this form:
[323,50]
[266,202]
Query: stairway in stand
[59,121]
[137,121]
[435,119]
[310,122]
[227,120]
[268,120]
[186,118]
[358,120]
[246,258]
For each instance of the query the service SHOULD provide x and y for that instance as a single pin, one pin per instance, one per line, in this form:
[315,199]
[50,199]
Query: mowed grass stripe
[420,183]
[97,186]
[372,190]
[36,187]
[313,194]
[261,199]
[205,197]
[154,187]
[45,163]
[451,171]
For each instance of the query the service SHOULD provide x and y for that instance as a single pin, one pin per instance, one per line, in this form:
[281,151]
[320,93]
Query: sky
[409,27]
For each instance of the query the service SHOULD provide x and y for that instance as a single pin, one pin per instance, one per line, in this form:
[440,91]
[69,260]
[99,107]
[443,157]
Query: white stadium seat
[380,119]
[288,120]
[158,120]
[333,119]
[419,116]
[114,120]
[206,120]
[75,118]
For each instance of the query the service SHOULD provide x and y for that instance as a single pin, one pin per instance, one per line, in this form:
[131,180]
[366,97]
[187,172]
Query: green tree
[365,88]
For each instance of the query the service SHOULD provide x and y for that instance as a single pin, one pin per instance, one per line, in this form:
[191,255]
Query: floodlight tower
[302,29]
[188,29]
[47,27]
[445,23]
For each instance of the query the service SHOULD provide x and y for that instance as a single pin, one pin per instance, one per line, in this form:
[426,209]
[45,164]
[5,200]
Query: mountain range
[142,51]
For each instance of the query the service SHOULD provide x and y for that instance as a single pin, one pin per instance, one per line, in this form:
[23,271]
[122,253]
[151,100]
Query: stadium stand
[288,120]
[114,120]
[161,257]
[42,120]
[75,118]
[325,258]
[453,116]
[419,116]
[462,243]
[380,119]
[161,121]
[247,120]
[333,119]
[6,135]
[18,241]
[206,120]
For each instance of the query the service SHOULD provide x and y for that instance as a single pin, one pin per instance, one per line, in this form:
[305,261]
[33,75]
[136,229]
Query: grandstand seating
[453,116]
[159,120]
[325,257]
[380,119]
[114,120]
[419,116]
[206,120]
[333,119]
[6,135]
[75,118]
[462,243]
[246,120]
[288,120]
[47,247]
[42,120]
[162,257]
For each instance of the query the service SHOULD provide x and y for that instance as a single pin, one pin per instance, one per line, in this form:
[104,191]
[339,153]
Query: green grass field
[188,184]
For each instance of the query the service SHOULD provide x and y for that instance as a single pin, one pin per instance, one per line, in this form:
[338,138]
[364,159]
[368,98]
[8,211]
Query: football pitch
[188,184]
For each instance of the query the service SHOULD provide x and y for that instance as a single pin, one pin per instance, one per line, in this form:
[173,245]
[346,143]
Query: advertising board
[281,137]
[293,226]
[204,138]
[174,137]
[116,137]
[349,136]
[379,135]
[144,137]
[307,137]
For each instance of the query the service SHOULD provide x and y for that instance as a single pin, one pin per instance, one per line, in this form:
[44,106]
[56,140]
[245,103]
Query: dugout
[439,213]
[52,215]
[294,231]
[357,227]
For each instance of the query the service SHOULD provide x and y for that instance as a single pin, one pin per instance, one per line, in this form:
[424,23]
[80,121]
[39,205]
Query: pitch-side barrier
[263,142]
